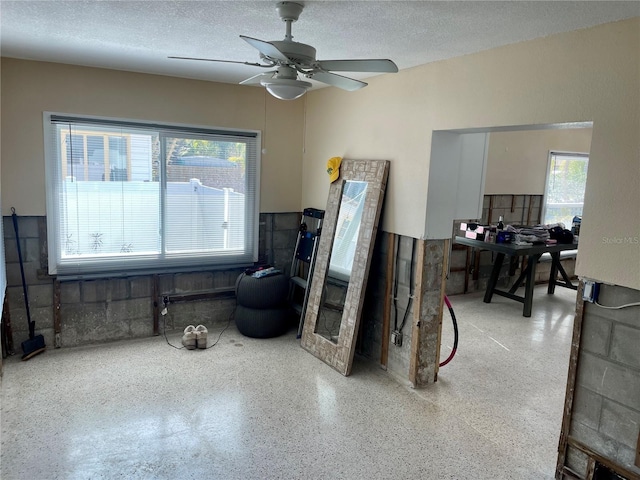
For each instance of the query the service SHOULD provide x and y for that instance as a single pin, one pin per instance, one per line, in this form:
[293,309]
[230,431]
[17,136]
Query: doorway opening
[509,370]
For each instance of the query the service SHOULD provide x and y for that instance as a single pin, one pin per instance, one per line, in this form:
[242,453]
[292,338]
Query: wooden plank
[386,315]
[57,315]
[591,468]
[414,356]
[490,214]
[443,288]
[571,381]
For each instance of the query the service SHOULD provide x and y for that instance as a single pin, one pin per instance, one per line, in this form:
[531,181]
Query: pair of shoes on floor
[195,337]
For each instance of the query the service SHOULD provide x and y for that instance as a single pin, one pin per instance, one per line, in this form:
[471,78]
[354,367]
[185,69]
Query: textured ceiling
[139,35]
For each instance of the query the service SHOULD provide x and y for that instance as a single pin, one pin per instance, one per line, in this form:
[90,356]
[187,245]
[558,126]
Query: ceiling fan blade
[255,80]
[266,48]
[368,65]
[222,61]
[339,81]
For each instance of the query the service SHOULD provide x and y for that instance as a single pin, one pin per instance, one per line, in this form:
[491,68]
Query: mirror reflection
[341,259]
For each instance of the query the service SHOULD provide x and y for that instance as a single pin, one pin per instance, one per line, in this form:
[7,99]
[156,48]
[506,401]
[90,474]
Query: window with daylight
[564,191]
[126,197]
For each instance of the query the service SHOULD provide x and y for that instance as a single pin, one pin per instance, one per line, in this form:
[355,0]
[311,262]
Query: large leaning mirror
[342,263]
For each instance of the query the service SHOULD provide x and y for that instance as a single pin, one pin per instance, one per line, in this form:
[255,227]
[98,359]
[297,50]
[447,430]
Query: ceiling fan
[289,58]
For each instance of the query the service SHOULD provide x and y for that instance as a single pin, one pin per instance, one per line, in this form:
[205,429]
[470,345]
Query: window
[564,192]
[125,197]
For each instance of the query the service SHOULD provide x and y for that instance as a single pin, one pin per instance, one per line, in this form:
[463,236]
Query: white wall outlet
[590,292]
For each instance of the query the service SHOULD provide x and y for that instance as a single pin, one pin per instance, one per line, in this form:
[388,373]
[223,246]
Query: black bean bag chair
[262,323]
[265,292]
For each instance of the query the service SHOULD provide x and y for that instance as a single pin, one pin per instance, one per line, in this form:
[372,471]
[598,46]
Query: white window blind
[127,197]
[564,192]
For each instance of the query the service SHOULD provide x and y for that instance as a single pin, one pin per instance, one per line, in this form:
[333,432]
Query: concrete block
[625,346]
[405,245]
[282,259]
[536,215]
[192,282]
[70,292]
[455,283]
[577,460]
[626,457]
[20,336]
[284,239]
[263,245]
[586,407]
[27,226]
[117,289]
[226,278]
[7,228]
[125,310]
[485,216]
[596,333]
[611,295]
[434,254]
[13,275]
[519,201]
[166,283]
[94,290]
[11,249]
[40,295]
[31,252]
[536,200]
[141,327]
[497,212]
[15,296]
[35,275]
[607,378]
[515,217]
[84,323]
[43,316]
[501,201]
[140,286]
[620,422]
[458,259]
[602,444]
[287,221]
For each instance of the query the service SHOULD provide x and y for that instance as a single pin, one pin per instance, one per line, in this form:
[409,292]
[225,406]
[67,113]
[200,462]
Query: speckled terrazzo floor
[266,409]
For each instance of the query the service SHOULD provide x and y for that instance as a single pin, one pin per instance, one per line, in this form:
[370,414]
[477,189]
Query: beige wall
[517,161]
[586,75]
[29,88]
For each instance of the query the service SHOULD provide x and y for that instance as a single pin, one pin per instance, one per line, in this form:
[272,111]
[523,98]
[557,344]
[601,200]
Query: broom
[35,344]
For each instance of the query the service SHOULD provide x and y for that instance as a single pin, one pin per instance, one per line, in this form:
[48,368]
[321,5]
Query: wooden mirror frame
[339,355]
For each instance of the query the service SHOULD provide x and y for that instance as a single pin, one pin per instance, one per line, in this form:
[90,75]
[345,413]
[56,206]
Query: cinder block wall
[101,310]
[370,342]
[606,407]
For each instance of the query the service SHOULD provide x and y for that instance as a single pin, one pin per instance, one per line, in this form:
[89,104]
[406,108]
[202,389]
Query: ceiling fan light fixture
[285,88]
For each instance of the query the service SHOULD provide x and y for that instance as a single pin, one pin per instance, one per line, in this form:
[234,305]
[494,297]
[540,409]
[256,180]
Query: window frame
[552,153]
[143,264]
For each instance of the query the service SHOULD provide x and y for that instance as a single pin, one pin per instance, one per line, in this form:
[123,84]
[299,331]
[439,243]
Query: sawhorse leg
[493,279]
[531,280]
[555,261]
